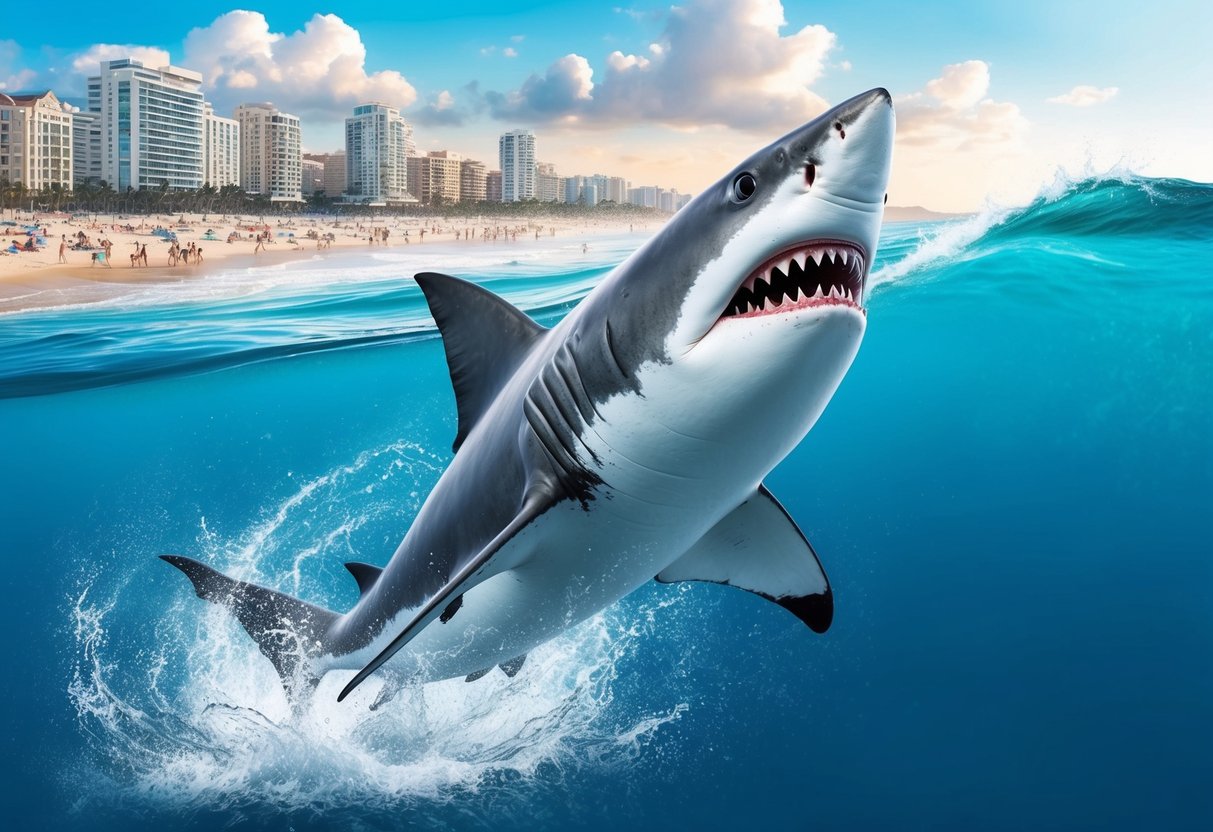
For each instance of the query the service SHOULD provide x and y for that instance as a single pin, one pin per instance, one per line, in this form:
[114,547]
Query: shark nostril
[810,173]
[842,134]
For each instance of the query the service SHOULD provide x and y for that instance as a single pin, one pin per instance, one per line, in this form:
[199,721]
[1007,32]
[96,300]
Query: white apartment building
[271,152]
[151,125]
[378,144]
[86,148]
[220,149]
[516,153]
[35,141]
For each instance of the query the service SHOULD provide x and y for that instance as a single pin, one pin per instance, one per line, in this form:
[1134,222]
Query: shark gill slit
[610,342]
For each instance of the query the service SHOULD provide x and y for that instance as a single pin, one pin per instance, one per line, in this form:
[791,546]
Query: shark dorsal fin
[485,339]
[364,574]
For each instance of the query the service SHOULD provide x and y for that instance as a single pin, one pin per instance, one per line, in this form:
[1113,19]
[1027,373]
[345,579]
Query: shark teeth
[813,274]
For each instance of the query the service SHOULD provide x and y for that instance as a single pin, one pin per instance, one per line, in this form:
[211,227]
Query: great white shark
[629,441]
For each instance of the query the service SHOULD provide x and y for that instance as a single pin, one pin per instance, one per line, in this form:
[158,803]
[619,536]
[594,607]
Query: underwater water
[1012,493]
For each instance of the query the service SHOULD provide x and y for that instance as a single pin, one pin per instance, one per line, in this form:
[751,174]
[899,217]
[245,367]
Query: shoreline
[31,281]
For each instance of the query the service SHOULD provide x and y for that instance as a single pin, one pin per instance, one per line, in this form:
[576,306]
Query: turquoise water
[1011,492]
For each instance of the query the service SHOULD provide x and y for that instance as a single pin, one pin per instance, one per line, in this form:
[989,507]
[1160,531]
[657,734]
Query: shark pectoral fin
[364,574]
[475,572]
[485,339]
[759,548]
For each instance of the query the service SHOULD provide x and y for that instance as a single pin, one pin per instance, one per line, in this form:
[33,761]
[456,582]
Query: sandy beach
[234,243]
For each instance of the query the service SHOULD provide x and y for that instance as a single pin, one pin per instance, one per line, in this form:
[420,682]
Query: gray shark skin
[630,440]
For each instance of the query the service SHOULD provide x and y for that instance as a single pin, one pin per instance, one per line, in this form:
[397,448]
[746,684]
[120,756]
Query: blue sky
[693,88]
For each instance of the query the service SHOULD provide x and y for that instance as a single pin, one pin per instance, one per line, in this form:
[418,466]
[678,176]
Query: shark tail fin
[287,631]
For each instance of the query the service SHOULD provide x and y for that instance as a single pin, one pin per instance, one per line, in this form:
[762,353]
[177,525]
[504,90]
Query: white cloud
[510,52]
[18,81]
[718,62]
[956,145]
[89,61]
[13,76]
[1085,95]
[961,85]
[319,70]
[953,112]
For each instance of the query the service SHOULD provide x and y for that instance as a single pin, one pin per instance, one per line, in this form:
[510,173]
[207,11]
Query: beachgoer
[63,250]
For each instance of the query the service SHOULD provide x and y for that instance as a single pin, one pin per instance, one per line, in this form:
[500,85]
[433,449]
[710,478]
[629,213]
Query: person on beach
[63,249]
[95,260]
[198,255]
[260,245]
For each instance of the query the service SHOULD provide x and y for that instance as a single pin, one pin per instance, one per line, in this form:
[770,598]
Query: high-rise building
[35,140]
[86,148]
[333,180]
[549,186]
[616,190]
[473,181]
[435,177]
[492,186]
[313,177]
[644,196]
[151,125]
[586,190]
[271,153]
[220,149]
[378,144]
[516,153]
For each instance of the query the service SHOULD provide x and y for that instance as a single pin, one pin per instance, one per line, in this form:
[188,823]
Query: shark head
[749,304]
[799,223]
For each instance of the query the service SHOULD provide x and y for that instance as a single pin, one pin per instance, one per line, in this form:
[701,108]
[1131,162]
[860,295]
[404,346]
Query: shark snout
[857,151]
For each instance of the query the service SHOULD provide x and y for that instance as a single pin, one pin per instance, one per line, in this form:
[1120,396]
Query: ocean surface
[1012,493]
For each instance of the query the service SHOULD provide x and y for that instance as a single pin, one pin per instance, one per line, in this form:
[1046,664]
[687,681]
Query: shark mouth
[822,273]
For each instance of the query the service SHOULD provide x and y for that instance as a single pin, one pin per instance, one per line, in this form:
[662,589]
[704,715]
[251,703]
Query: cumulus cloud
[14,77]
[953,111]
[319,70]
[89,61]
[717,62]
[957,146]
[1085,95]
[510,52]
[441,109]
[961,85]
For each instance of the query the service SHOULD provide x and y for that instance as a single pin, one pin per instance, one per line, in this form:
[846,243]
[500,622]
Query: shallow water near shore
[1010,493]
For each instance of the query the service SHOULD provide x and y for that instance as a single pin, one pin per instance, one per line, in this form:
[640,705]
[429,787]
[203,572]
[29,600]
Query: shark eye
[744,186]
[810,173]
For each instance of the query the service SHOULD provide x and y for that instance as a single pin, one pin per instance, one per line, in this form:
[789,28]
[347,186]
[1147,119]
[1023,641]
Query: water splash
[200,719]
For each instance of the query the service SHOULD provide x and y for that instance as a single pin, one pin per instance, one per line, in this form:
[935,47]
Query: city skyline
[992,99]
[152,127]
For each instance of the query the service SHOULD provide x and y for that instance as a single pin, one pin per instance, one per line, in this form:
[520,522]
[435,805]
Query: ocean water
[1012,493]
